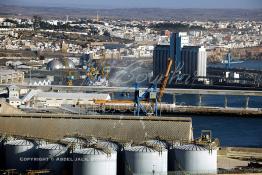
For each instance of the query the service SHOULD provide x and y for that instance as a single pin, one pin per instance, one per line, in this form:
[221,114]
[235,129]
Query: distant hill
[136,13]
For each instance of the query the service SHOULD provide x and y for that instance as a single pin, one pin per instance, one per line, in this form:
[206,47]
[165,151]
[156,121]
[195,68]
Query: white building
[57,99]
[44,82]
[11,76]
[184,39]
[202,62]
[13,91]
[14,102]
[13,96]
[194,60]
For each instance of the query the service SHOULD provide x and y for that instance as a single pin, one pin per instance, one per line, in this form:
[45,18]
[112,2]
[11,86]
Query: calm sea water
[217,101]
[232,131]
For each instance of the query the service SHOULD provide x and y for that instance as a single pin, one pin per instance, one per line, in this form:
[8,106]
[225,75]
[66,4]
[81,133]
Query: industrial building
[177,42]
[194,61]
[56,64]
[11,76]
[13,96]
[55,99]
[173,50]
[160,57]
[113,145]
[188,61]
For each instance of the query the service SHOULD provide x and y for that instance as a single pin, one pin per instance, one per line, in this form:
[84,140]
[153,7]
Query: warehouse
[56,99]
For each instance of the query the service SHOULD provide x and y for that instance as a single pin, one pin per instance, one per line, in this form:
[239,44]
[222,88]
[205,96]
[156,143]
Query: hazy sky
[139,3]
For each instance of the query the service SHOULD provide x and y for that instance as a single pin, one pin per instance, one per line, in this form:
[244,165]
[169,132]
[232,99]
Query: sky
[176,4]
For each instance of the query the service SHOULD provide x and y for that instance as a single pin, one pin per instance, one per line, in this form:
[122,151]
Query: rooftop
[62,95]
[116,128]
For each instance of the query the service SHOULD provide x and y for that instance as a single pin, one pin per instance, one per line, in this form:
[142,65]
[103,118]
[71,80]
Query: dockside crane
[145,101]
[165,80]
[150,95]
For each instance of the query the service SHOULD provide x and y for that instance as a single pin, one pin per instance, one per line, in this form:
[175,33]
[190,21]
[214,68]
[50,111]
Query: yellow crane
[165,80]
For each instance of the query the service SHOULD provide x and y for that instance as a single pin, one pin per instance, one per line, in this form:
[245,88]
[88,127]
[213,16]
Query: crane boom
[165,80]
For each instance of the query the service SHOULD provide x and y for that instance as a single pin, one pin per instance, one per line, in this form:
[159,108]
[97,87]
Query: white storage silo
[156,142]
[195,159]
[19,154]
[77,142]
[2,153]
[109,145]
[120,153]
[51,157]
[94,161]
[145,160]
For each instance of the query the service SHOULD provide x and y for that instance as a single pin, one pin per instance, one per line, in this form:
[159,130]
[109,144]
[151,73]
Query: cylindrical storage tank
[120,154]
[157,143]
[195,159]
[78,142]
[19,154]
[51,157]
[92,140]
[94,161]
[121,157]
[109,145]
[2,153]
[171,157]
[145,160]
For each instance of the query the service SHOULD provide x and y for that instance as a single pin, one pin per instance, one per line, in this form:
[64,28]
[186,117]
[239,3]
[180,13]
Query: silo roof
[191,147]
[159,143]
[19,142]
[109,145]
[141,149]
[74,140]
[51,147]
[90,151]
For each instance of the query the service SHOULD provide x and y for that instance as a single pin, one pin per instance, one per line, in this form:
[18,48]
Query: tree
[106,33]
[36,22]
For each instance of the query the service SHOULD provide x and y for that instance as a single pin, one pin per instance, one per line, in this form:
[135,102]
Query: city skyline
[232,4]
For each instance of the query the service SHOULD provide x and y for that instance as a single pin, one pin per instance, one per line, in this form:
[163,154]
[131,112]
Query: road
[132,89]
